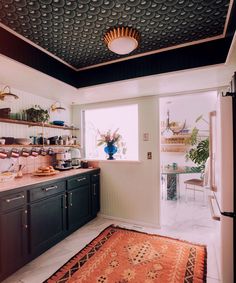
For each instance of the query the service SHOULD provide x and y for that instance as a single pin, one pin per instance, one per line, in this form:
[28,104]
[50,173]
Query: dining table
[170,176]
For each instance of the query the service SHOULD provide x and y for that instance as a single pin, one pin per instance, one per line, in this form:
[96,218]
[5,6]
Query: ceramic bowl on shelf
[58,123]
[22,141]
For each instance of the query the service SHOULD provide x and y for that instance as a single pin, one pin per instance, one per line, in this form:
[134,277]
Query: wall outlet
[149,155]
[146,136]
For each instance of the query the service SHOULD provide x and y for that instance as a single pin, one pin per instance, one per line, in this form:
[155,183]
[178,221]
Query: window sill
[114,161]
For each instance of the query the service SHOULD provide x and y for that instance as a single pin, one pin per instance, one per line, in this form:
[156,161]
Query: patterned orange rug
[119,255]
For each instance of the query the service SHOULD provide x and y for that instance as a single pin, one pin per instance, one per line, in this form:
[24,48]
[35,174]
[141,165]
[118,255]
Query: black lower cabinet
[34,218]
[95,194]
[13,240]
[78,207]
[47,223]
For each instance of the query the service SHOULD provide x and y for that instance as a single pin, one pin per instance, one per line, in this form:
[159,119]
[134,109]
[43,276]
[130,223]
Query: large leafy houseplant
[199,151]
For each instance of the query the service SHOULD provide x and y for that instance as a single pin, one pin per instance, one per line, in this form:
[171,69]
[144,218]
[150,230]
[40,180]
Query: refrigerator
[223,178]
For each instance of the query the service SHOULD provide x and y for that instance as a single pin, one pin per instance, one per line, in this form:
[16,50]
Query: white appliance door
[222,181]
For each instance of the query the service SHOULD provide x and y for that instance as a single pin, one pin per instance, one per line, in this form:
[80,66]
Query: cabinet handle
[94,189]
[81,179]
[65,203]
[50,188]
[15,198]
[71,199]
[24,219]
[95,175]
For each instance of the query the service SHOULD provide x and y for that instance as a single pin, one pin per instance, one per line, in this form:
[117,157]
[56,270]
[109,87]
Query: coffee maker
[63,161]
[75,158]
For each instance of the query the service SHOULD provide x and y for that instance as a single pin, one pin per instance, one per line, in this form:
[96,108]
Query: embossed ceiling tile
[80,25]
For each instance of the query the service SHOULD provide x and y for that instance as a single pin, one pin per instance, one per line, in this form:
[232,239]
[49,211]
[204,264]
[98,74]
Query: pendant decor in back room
[122,255]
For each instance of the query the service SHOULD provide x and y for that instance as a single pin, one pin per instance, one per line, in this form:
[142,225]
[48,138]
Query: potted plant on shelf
[37,114]
[111,140]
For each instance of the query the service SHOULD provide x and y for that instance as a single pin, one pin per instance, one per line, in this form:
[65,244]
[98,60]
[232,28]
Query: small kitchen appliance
[63,161]
[75,158]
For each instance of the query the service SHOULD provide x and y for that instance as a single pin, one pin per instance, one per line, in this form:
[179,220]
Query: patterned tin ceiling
[73,30]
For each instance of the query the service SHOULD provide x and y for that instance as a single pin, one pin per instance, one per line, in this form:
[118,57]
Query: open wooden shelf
[37,145]
[35,124]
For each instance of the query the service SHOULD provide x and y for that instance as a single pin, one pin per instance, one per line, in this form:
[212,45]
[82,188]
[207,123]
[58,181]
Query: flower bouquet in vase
[111,140]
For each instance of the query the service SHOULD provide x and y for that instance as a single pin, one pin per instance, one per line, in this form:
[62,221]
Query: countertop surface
[30,179]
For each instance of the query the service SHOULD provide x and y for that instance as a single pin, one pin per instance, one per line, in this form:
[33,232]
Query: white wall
[130,190]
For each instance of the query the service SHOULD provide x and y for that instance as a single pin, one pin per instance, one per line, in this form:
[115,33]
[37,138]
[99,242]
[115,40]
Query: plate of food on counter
[45,171]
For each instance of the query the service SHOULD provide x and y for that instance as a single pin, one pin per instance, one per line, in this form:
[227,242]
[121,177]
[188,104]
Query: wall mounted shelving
[36,145]
[35,124]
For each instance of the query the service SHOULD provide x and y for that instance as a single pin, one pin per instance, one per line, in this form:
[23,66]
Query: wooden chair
[199,185]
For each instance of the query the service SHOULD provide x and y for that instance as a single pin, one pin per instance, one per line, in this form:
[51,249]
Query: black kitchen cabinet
[95,194]
[79,202]
[35,217]
[13,233]
[47,223]
[47,216]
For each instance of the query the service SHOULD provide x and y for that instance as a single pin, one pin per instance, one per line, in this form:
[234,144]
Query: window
[123,118]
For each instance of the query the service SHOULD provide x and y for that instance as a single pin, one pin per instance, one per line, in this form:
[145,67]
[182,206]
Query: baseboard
[134,224]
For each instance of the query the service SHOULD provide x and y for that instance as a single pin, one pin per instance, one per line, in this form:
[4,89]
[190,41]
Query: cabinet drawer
[47,190]
[79,180]
[95,178]
[12,201]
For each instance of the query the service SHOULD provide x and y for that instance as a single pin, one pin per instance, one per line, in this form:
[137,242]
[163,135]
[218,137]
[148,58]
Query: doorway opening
[185,211]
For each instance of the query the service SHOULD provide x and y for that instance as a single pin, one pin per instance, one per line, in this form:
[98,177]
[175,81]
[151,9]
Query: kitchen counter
[30,179]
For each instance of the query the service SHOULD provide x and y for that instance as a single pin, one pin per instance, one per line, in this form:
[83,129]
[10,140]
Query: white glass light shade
[123,45]
[122,40]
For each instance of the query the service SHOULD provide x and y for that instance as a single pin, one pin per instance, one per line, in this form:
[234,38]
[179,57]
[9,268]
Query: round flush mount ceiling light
[122,40]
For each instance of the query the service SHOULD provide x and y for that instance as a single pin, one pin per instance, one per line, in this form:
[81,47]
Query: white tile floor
[189,221]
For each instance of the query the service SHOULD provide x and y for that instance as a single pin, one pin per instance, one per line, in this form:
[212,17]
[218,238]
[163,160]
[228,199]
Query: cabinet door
[78,207]
[47,223]
[95,196]
[13,240]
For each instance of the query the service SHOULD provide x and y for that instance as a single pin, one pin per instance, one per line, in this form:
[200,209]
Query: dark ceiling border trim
[21,51]
[205,54]
[36,46]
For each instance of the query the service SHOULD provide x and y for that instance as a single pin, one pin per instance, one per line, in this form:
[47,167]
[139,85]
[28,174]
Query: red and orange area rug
[119,255]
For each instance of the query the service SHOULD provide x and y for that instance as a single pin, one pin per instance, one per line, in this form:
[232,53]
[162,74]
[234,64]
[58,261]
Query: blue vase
[110,149]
